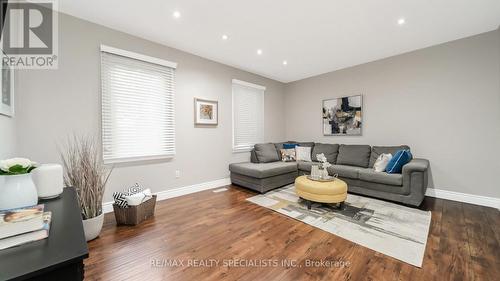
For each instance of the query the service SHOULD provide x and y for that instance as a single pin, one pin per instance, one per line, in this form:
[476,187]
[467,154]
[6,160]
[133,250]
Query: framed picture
[206,112]
[7,96]
[343,116]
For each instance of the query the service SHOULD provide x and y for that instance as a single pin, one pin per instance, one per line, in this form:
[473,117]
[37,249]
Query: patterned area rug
[391,229]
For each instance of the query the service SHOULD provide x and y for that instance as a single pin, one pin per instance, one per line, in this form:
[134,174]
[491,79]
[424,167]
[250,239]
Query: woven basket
[134,215]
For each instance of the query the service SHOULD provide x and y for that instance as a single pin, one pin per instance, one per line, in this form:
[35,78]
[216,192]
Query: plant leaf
[17,169]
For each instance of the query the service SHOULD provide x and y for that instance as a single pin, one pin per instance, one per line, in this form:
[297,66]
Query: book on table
[21,220]
[28,236]
[22,225]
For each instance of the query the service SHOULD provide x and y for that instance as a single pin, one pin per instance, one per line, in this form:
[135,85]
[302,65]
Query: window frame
[249,148]
[144,58]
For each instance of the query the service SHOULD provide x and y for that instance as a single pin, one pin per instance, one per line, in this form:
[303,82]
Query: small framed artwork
[343,116]
[206,112]
[7,95]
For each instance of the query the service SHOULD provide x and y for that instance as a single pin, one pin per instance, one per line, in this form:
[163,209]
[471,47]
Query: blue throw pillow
[289,145]
[401,158]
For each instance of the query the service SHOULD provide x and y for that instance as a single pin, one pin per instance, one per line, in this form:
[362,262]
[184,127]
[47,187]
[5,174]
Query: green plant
[84,170]
[16,166]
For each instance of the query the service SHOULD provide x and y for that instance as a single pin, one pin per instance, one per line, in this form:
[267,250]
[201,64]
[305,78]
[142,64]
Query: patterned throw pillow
[119,196]
[288,155]
[303,153]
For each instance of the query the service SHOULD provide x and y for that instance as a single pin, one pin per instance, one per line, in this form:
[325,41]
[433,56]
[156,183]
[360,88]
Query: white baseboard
[107,207]
[464,197]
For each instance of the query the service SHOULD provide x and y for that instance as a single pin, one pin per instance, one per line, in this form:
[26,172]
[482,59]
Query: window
[137,106]
[248,115]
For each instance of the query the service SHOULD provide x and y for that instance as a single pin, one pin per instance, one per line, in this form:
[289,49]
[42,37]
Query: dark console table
[60,256]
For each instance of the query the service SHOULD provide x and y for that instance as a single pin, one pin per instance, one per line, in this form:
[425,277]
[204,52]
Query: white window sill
[137,159]
[242,150]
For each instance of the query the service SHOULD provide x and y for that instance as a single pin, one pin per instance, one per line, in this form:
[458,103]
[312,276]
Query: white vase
[48,179]
[17,191]
[92,227]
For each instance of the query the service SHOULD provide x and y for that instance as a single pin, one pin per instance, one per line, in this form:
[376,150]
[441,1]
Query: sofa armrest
[416,165]
[415,179]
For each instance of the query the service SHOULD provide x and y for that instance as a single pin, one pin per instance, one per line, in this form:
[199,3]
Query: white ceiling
[314,36]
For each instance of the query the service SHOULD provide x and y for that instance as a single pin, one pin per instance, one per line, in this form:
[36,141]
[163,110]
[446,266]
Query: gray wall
[443,101]
[52,105]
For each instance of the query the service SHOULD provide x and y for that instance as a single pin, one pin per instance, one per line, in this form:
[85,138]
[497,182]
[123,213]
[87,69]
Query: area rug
[391,229]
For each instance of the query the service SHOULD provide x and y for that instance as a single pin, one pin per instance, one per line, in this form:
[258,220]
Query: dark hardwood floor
[463,244]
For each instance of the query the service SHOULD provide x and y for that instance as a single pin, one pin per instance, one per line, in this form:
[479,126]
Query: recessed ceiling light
[285,62]
[401,21]
[176,14]
[259,52]
[225,37]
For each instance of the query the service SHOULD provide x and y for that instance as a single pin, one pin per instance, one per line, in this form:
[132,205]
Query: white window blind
[137,106]
[248,115]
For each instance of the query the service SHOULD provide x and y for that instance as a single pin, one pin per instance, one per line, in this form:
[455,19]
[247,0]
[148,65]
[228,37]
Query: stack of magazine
[23,225]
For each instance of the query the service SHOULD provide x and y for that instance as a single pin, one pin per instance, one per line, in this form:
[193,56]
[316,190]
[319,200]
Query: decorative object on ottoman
[48,180]
[134,215]
[84,170]
[323,172]
[319,191]
[16,185]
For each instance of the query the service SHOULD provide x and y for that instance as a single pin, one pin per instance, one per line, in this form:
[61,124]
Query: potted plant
[84,170]
[16,186]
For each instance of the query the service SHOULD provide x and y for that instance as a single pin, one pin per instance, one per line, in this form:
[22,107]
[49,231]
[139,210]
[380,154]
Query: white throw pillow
[381,162]
[303,153]
[138,198]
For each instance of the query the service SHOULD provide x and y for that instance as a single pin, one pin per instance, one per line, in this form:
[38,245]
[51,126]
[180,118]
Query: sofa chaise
[352,163]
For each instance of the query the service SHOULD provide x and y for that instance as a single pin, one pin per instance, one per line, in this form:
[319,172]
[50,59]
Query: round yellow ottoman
[323,192]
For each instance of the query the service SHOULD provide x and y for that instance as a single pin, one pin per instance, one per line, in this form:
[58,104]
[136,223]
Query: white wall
[52,105]
[443,101]
[7,137]
[8,131]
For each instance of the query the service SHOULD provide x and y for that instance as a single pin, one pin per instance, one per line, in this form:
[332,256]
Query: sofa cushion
[354,155]
[378,150]
[344,171]
[266,152]
[306,166]
[306,144]
[253,156]
[380,177]
[329,150]
[263,170]
[279,146]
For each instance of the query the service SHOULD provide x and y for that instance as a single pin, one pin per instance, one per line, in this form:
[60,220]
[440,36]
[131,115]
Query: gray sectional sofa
[352,163]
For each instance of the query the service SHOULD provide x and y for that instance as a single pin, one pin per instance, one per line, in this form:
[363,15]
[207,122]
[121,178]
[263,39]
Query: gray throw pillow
[253,156]
[329,150]
[266,152]
[378,150]
[354,155]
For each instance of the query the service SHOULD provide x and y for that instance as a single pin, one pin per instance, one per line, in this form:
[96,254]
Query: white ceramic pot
[48,179]
[92,227]
[17,191]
